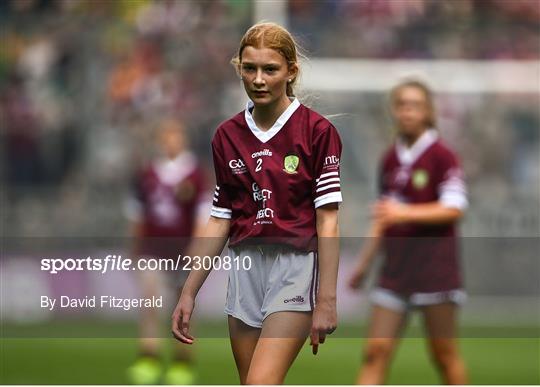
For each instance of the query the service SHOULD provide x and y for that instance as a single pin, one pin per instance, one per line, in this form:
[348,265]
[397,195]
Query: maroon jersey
[170,195]
[269,183]
[422,258]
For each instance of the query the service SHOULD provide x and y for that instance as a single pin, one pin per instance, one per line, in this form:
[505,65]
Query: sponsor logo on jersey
[237,166]
[260,195]
[264,152]
[265,213]
[298,299]
[290,163]
[331,162]
[420,178]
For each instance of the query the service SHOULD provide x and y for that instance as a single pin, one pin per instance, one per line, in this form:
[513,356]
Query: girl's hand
[388,212]
[324,323]
[181,317]
[357,277]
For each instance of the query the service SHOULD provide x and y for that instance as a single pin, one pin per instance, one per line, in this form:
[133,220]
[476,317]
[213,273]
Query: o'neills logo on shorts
[295,299]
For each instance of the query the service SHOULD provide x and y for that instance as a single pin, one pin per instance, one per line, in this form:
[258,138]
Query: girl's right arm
[365,258]
[211,244]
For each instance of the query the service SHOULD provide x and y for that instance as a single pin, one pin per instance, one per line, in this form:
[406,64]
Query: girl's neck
[265,116]
[409,140]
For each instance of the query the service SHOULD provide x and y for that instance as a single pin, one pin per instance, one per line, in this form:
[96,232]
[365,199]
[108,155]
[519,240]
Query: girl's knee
[378,351]
[444,353]
[262,376]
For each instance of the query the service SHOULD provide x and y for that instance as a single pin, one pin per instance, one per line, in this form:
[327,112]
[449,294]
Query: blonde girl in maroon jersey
[264,350]
[422,198]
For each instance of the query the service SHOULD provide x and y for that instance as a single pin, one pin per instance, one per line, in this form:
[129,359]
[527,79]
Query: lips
[260,93]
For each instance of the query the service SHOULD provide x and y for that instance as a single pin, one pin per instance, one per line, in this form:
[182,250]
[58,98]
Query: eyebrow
[264,64]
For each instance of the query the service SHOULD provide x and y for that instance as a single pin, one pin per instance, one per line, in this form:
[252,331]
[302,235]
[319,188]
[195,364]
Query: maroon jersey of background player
[422,258]
[276,204]
[169,198]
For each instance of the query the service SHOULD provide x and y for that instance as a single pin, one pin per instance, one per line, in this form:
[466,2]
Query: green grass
[103,361]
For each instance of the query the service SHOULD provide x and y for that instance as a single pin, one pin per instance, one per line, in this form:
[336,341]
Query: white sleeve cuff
[332,197]
[219,212]
[454,200]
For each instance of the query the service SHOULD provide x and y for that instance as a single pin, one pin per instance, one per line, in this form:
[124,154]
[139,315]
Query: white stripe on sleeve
[331,197]
[453,193]
[454,200]
[220,212]
[328,181]
[326,175]
[327,187]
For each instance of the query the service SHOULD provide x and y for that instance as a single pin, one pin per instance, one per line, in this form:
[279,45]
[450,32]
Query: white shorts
[399,303]
[280,279]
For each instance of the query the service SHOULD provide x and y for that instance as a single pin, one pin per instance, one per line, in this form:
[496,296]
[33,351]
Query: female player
[422,198]
[276,200]
[169,205]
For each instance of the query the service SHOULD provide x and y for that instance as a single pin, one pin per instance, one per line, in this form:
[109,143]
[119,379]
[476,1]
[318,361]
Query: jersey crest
[420,178]
[290,163]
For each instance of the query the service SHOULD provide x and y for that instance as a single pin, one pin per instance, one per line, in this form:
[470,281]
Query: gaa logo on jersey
[290,163]
[420,178]
[237,166]
[401,176]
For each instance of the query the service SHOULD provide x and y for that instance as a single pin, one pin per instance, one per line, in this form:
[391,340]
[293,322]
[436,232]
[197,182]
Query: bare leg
[243,342]
[147,368]
[282,336]
[441,327]
[383,335]
[149,322]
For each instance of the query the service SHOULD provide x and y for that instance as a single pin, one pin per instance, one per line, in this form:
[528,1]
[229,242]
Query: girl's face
[265,74]
[410,110]
[172,141]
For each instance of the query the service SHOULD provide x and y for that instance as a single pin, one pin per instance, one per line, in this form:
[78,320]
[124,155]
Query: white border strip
[453,76]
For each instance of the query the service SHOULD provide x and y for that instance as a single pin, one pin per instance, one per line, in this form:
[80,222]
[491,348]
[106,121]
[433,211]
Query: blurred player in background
[422,197]
[276,200]
[169,205]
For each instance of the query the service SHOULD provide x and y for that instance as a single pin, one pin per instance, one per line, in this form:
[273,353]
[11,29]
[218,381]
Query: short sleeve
[221,205]
[327,153]
[451,189]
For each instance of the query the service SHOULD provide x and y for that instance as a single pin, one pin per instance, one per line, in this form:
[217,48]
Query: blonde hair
[274,36]
[170,125]
[431,120]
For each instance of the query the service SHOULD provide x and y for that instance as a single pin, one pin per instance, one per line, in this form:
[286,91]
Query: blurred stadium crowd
[84,83]
[419,29]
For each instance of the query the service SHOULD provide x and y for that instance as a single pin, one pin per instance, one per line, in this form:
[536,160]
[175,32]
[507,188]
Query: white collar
[408,155]
[265,136]
[173,171]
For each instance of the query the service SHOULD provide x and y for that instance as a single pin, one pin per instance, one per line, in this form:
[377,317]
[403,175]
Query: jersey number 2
[259,165]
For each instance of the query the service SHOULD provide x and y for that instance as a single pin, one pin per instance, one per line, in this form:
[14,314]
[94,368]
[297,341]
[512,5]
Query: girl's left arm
[328,243]
[390,212]
[325,314]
